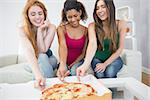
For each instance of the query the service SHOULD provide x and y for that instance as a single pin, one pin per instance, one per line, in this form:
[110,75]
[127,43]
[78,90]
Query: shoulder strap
[64,28]
[85,31]
[117,25]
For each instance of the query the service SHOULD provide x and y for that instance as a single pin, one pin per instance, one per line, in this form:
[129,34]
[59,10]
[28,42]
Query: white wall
[148,35]
[10,18]
[10,15]
[141,14]
[144,33]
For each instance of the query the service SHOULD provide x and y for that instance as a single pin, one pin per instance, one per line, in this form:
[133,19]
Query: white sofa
[12,68]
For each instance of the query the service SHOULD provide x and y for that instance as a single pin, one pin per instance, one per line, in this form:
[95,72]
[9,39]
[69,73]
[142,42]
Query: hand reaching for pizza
[62,73]
[80,71]
[40,82]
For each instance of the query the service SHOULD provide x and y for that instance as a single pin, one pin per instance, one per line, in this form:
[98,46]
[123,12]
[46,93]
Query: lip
[38,22]
[101,14]
[75,23]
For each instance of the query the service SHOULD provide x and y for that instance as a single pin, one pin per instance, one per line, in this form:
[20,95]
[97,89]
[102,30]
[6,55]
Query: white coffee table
[131,87]
[26,91]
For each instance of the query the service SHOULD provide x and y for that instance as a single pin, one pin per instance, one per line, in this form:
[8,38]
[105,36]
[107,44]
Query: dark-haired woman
[106,42]
[72,38]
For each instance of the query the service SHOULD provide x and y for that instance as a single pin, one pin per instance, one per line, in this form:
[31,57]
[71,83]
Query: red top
[75,47]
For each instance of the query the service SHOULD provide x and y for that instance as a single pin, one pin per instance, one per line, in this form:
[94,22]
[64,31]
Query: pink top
[75,47]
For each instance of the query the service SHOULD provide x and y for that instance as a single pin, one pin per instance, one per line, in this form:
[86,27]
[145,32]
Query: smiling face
[73,17]
[102,10]
[36,16]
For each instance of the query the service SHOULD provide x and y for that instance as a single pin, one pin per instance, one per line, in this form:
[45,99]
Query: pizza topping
[67,91]
[77,90]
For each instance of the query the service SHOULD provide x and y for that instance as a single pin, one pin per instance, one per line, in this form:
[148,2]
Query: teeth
[101,14]
[38,22]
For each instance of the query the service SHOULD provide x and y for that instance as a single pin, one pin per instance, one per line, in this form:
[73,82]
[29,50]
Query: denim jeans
[74,67]
[110,71]
[47,65]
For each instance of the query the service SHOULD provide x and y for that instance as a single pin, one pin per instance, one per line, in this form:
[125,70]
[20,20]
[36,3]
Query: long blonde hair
[28,26]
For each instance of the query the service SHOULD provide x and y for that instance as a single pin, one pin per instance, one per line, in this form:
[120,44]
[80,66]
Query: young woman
[72,38]
[106,41]
[37,35]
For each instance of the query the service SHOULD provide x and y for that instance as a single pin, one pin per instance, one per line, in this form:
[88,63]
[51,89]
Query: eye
[97,7]
[103,6]
[33,14]
[40,13]
[69,17]
[75,15]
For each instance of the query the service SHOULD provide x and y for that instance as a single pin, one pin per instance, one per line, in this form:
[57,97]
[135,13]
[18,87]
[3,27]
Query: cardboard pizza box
[103,93]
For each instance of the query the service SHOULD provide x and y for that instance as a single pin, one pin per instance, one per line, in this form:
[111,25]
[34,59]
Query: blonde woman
[37,35]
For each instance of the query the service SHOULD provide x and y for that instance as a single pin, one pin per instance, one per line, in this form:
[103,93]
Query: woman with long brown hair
[106,41]
[37,35]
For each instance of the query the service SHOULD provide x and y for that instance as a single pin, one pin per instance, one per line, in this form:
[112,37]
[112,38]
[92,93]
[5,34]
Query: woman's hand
[80,71]
[42,30]
[45,36]
[40,82]
[62,73]
[100,67]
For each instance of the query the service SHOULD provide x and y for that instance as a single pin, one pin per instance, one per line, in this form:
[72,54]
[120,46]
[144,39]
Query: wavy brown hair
[112,26]
[28,26]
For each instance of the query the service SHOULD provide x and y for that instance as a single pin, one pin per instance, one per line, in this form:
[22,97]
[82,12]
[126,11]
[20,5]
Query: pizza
[67,91]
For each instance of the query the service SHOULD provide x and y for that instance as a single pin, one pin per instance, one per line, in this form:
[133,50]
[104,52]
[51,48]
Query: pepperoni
[68,87]
[77,90]
[58,85]
[89,94]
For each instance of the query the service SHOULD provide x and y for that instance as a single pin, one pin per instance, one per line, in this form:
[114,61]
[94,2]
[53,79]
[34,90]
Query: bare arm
[62,46]
[92,45]
[62,71]
[29,53]
[50,36]
[122,30]
[45,36]
[90,52]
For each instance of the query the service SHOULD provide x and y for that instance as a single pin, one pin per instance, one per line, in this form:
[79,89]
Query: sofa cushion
[8,60]
[123,71]
[14,74]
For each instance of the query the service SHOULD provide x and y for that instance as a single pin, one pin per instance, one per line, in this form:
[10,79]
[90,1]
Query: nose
[73,19]
[100,10]
[37,16]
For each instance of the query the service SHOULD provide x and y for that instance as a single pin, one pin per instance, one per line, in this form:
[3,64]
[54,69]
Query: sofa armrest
[8,60]
[133,60]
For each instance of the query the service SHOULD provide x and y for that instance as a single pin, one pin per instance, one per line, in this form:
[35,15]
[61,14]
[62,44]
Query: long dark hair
[112,26]
[73,4]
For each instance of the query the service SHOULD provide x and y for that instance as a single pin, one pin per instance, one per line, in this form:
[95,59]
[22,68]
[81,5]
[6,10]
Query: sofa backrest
[54,48]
